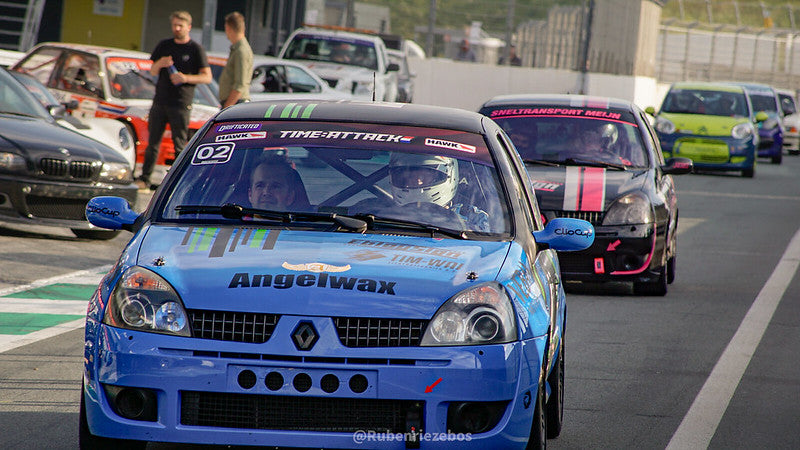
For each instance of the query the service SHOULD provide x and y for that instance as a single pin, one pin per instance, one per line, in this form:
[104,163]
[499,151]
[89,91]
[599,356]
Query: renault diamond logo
[304,336]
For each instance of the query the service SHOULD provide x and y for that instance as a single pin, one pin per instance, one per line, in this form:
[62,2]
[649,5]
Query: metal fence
[764,56]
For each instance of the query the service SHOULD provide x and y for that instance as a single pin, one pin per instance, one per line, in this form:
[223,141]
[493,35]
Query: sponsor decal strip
[593,193]
[228,239]
[323,280]
[584,189]
[571,184]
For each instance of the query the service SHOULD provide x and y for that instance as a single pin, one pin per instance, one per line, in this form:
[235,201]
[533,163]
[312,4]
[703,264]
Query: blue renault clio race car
[338,275]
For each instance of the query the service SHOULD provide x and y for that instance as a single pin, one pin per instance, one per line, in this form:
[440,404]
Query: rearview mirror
[113,213]
[566,235]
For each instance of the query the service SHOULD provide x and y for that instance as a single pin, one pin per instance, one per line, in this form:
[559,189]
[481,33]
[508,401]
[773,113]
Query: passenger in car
[275,185]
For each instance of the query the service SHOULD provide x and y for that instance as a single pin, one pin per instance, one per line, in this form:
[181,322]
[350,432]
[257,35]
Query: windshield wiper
[594,163]
[236,211]
[372,220]
[16,113]
[542,162]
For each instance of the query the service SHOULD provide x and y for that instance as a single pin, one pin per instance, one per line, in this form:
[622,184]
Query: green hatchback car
[713,124]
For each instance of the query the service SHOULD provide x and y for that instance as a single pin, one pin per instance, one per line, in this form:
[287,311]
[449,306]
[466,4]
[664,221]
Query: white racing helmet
[420,178]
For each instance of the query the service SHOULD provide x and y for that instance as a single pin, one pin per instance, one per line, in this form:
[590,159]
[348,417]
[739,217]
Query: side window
[41,65]
[300,81]
[80,74]
[653,139]
[524,190]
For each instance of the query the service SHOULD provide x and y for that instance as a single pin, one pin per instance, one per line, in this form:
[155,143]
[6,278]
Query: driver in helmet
[598,141]
[426,178]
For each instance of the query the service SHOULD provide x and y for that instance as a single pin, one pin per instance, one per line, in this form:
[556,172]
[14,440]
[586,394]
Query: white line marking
[701,421]
[88,276]
[43,306]
[12,341]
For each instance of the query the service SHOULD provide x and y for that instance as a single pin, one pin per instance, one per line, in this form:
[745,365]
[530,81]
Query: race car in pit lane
[112,83]
[713,124]
[403,284]
[598,159]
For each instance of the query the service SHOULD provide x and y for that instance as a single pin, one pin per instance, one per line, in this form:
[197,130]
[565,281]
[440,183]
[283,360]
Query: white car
[281,79]
[9,57]
[355,63]
[108,131]
[791,121]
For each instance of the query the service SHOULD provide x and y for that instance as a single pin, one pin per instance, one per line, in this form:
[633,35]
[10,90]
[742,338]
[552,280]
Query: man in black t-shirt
[180,64]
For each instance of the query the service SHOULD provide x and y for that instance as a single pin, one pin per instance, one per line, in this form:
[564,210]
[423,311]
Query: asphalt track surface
[713,364]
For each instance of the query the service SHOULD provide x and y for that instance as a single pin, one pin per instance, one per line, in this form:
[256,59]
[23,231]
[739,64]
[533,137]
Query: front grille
[233,326]
[370,332]
[593,217]
[272,412]
[56,208]
[80,170]
[575,262]
[53,167]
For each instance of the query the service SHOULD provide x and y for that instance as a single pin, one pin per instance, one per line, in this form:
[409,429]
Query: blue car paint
[166,363]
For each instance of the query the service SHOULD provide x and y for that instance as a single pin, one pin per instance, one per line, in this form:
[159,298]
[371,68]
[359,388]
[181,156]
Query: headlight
[143,301]
[742,130]
[631,209]
[119,173]
[363,87]
[476,316]
[125,138]
[11,162]
[664,126]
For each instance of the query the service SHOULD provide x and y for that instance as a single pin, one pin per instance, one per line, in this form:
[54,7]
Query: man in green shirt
[234,82]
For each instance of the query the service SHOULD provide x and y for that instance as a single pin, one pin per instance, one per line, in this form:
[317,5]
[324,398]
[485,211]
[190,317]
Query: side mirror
[392,67]
[566,235]
[57,111]
[113,213]
[650,110]
[677,166]
[761,116]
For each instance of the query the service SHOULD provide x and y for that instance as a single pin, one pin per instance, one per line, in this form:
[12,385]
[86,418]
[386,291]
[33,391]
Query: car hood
[576,188]
[703,124]
[339,71]
[36,138]
[315,273]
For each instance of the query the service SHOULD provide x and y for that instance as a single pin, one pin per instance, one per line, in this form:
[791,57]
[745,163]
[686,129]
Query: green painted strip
[296,111]
[307,111]
[58,291]
[258,236]
[268,114]
[23,323]
[287,110]
[195,237]
[206,242]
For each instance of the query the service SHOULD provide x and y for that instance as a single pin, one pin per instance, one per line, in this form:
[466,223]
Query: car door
[544,261]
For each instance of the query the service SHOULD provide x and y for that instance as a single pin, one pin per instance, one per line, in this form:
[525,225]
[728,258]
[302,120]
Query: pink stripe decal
[646,263]
[593,193]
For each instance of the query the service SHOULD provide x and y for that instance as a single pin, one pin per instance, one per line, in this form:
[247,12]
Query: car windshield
[787,104]
[42,94]
[394,178]
[766,103]
[130,78]
[573,135]
[339,50]
[15,99]
[709,102]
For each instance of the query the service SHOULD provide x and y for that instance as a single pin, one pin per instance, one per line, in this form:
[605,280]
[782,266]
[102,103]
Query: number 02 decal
[219,153]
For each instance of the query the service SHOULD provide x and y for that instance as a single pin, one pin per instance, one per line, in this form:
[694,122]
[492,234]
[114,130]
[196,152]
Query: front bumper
[711,152]
[619,253]
[54,203]
[217,392]
[771,144]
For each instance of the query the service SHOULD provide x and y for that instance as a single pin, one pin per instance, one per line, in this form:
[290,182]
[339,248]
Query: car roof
[96,49]
[358,112]
[708,86]
[755,87]
[561,100]
[338,33]
[220,59]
